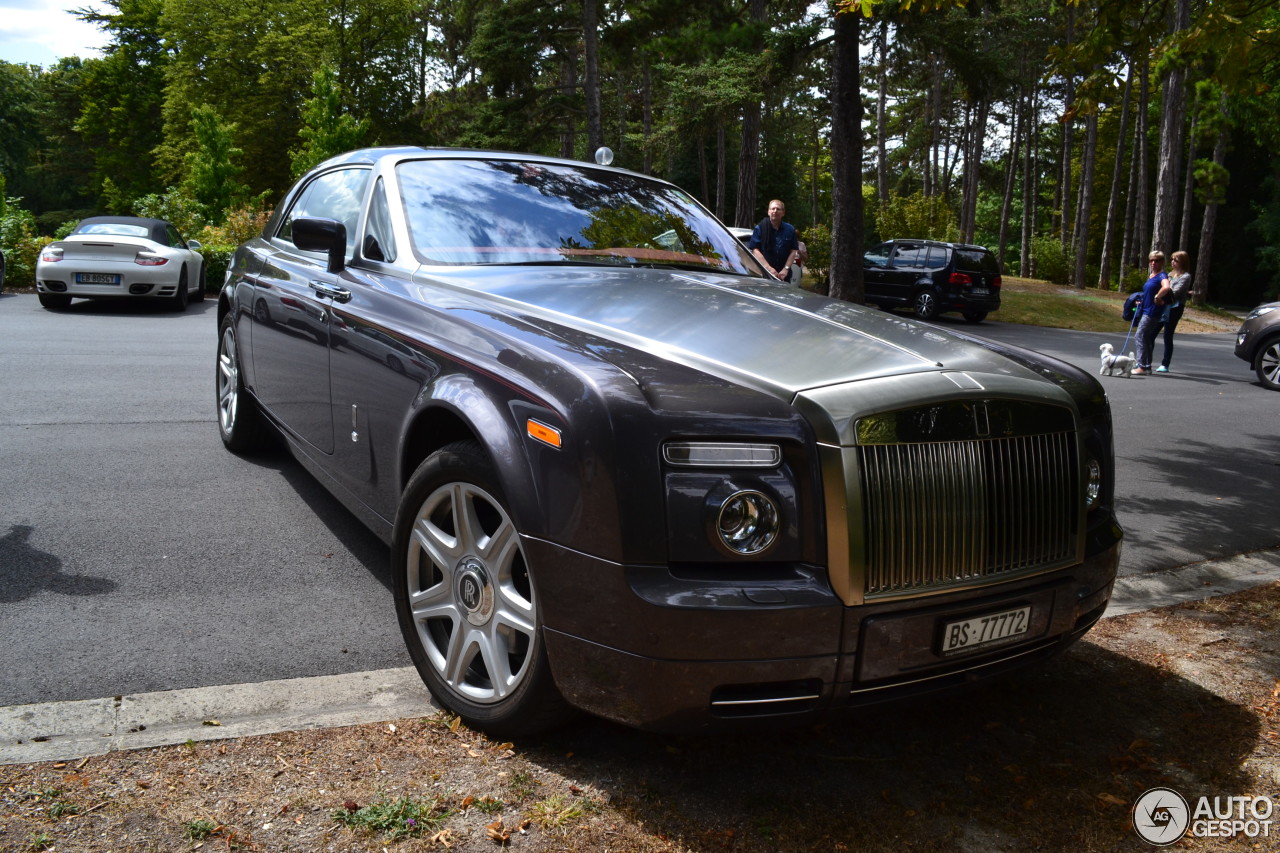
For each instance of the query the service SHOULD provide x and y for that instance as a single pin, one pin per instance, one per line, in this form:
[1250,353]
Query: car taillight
[961,279]
[147,259]
[995,283]
[51,255]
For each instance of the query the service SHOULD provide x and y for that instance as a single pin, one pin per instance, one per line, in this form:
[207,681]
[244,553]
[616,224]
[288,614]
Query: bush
[217,257]
[20,243]
[817,239]
[1049,260]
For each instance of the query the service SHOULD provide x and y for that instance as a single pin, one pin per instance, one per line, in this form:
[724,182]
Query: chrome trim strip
[950,673]
[728,702]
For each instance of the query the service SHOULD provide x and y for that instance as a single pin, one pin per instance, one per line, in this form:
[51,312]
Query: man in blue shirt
[775,243]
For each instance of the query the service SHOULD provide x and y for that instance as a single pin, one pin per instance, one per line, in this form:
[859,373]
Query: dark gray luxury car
[622,470]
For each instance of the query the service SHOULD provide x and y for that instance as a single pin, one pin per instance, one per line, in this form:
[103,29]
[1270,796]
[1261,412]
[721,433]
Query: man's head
[777,210]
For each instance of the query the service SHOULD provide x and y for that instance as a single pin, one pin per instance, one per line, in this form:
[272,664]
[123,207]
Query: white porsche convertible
[111,257]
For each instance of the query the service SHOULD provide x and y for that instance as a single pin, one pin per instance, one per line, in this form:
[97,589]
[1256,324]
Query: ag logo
[1161,816]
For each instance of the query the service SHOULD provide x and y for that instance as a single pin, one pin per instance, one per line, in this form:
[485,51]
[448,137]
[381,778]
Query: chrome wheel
[926,306]
[465,597]
[239,424]
[228,380]
[1268,367]
[469,593]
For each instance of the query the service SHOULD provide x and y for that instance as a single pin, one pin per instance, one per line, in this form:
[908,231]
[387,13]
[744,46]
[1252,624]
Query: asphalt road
[137,555]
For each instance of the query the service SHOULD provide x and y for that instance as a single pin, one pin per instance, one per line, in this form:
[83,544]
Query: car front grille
[946,514]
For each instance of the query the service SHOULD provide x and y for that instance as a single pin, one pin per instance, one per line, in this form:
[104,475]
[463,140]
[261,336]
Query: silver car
[1258,342]
[113,257]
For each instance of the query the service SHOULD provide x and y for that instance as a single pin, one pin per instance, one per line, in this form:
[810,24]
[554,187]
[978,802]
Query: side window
[333,195]
[906,255]
[937,258]
[172,237]
[877,257]
[379,240]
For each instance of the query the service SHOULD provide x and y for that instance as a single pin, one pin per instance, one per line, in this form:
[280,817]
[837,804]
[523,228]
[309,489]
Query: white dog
[1112,363]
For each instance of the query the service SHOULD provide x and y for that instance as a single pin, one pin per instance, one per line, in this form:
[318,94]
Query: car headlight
[1092,483]
[1260,311]
[748,522]
[713,454]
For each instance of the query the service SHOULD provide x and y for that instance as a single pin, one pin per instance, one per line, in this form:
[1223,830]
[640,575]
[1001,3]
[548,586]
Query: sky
[40,32]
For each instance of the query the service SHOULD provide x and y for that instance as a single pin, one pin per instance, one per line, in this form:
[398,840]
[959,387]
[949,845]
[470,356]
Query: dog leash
[1132,326]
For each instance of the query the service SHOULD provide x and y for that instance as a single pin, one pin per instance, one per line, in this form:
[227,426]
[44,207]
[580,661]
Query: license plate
[96,278]
[981,291]
[979,631]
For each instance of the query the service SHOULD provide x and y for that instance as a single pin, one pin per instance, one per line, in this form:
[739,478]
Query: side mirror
[322,235]
[194,245]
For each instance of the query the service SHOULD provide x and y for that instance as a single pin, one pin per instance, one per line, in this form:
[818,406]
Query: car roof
[927,242]
[156,228]
[369,156]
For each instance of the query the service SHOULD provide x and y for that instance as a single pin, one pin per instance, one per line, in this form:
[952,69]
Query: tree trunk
[749,157]
[1028,183]
[1188,189]
[1200,285]
[846,160]
[1108,230]
[569,83]
[591,83]
[1141,219]
[1088,166]
[1172,123]
[648,117]
[721,170]
[1131,208]
[1068,133]
[882,166]
[1015,143]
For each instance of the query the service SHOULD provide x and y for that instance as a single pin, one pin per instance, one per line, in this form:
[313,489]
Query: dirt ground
[1184,697]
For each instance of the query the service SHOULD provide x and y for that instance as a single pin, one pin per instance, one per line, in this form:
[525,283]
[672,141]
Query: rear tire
[925,305]
[200,281]
[55,301]
[1267,364]
[180,297]
[239,421]
[975,316]
[466,600]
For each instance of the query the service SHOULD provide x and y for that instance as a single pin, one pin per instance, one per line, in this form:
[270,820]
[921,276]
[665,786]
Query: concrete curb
[65,731]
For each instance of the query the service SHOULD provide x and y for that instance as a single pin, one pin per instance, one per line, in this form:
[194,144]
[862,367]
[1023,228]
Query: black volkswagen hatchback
[932,278]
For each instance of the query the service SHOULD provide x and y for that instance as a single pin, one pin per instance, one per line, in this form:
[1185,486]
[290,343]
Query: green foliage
[176,206]
[213,166]
[402,818]
[1049,260]
[1266,228]
[326,129]
[19,243]
[817,239]
[918,216]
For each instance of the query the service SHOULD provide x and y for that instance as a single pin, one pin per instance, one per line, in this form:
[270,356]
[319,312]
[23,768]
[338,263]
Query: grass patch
[1063,308]
[559,810]
[394,819]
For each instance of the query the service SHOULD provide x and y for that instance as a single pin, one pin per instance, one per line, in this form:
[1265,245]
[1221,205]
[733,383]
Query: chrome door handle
[337,294]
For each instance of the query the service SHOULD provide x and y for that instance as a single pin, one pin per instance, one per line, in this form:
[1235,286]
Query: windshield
[507,212]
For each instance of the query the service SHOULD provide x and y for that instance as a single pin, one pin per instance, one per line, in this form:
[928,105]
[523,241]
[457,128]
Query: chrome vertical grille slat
[951,513]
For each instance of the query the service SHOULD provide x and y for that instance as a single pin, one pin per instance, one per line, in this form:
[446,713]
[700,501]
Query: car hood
[771,337]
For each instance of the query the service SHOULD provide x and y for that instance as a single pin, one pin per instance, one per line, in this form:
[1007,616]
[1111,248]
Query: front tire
[239,422]
[465,598]
[925,305]
[1267,365]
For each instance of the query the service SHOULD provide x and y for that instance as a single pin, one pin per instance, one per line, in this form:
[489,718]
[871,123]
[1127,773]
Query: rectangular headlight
[711,454]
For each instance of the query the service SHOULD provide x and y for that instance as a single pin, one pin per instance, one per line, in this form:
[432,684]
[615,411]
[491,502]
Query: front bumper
[649,650]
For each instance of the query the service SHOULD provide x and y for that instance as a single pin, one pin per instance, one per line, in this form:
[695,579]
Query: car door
[905,269]
[876,272]
[293,299]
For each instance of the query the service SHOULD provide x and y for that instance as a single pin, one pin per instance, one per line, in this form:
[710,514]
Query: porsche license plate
[96,278]
[968,634]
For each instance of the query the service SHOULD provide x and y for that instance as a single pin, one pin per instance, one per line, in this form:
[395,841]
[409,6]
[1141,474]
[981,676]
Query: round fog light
[748,522]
